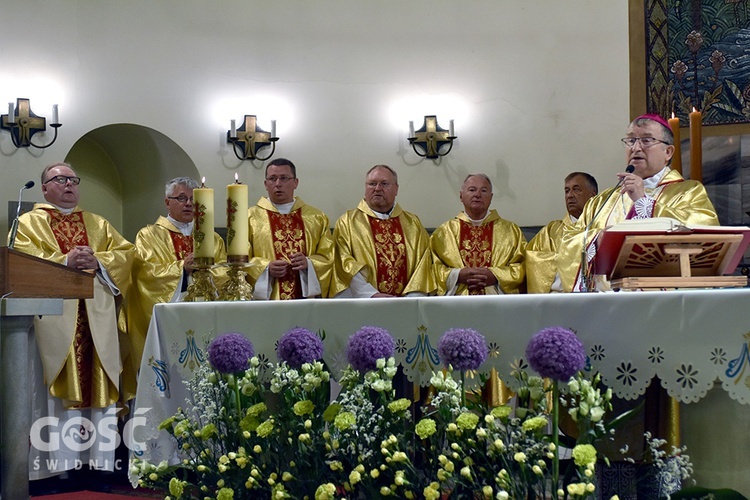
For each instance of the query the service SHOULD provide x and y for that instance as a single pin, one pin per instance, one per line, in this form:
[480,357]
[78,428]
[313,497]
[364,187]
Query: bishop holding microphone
[650,189]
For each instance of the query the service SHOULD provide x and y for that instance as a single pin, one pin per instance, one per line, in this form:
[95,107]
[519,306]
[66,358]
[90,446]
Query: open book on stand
[663,253]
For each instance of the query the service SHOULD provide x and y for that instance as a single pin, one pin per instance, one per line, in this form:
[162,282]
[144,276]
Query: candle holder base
[203,288]
[236,287]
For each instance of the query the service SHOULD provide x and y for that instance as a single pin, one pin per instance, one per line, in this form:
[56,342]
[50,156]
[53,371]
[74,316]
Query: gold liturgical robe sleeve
[684,200]
[506,261]
[157,276]
[55,334]
[541,252]
[318,242]
[355,251]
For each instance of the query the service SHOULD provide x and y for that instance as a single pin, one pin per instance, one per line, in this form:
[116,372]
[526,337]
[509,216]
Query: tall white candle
[411,128]
[450,128]
[11,111]
[55,117]
[232,129]
[273,128]
[237,224]
[203,229]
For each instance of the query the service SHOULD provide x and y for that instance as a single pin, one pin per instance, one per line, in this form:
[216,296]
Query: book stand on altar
[683,258]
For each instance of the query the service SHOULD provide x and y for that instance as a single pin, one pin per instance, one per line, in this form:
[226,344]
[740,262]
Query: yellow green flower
[265,429]
[225,494]
[209,431]
[176,487]
[330,413]
[425,428]
[344,420]
[467,421]
[584,454]
[501,411]
[534,424]
[256,409]
[167,424]
[399,405]
[304,407]
[325,492]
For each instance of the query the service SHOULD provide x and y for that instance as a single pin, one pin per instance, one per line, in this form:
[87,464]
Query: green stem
[463,389]
[555,437]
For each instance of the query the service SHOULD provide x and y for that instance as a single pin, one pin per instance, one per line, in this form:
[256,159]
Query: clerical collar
[654,180]
[384,215]
[477,222]
[573,219]
[66,211]
[186,228]
[283,208]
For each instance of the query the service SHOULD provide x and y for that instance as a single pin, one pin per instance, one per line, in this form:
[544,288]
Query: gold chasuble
[675,197]
[496,244]
[158,270]
[276,236]
[393,254]
[541,253]
[82,352]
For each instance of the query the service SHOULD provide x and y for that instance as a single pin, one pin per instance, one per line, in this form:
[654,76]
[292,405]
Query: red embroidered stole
[182,244]
[390,253]
[70,231]
[475,246]
[288,233]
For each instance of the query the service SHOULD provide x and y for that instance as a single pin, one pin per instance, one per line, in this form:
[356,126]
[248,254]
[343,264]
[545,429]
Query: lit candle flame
[203,181]
[237,178]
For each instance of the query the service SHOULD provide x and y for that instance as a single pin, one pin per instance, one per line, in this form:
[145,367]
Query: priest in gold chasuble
[381,250]
[651,190]
[83,355]
[291,249]
[541,251]
[164,262]
[478,252]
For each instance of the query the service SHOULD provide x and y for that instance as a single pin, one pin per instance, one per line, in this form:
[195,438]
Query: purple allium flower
[230,352]
[556,353]
[368,345]
[462,348]
[299,346]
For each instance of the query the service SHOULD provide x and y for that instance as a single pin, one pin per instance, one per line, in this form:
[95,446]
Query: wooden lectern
[655,256]
[29,286]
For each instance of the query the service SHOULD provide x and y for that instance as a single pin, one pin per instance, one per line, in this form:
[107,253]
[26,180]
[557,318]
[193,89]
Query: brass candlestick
[203,288]
[236,287]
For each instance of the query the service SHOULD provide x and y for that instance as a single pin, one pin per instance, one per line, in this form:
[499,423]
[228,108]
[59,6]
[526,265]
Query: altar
[690,340]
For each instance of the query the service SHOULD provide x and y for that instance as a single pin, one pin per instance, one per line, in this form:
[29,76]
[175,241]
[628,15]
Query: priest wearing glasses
[651,189]
[84,357]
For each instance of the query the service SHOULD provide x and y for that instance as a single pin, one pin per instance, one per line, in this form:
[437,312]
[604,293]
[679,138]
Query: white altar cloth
[688,339]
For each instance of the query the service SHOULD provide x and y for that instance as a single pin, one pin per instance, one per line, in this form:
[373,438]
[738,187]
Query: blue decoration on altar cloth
[423,354]
[736,367]
[162,375]
[192,356]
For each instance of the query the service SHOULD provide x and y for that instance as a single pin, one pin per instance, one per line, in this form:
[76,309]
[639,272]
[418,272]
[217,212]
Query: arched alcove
[125,167]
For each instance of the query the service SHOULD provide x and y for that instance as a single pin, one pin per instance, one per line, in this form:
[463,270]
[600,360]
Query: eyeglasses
[646,142]
[283,179]
[180,199]
[63,179]
[382,184]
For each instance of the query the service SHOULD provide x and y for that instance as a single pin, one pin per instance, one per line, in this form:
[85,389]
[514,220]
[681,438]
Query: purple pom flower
[462,348]
[368,345]
[556,353]
[230,353]
[299,346]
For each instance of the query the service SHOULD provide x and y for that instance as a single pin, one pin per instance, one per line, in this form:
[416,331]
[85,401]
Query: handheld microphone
[585,277]
[14,227]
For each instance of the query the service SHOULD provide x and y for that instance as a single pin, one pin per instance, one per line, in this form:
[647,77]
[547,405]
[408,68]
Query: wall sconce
[430,138]
[22,124]
[250,138]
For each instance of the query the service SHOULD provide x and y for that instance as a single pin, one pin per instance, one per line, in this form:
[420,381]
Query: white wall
[537,89]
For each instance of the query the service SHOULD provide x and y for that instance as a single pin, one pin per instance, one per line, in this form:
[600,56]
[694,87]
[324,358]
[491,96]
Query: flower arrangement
[255,430]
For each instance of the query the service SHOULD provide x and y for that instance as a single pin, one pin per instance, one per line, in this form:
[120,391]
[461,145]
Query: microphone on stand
[585,277]
[14,227]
